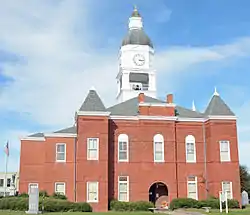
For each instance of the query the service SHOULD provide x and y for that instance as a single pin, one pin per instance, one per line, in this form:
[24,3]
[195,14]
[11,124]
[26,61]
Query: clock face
[139,59]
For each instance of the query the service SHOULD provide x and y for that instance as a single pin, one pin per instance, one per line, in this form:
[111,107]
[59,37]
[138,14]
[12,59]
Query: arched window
[123,148]
[190,149]
[158,148]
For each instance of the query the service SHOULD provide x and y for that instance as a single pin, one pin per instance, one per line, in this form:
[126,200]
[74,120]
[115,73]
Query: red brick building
[139,149]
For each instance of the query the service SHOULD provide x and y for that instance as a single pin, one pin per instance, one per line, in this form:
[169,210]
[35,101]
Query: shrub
[82,207]
[23,195]
[48,205]
[233,203]
[43,193]
[130,206]
[183,203]
[59,196]
[210,202]
[14,203]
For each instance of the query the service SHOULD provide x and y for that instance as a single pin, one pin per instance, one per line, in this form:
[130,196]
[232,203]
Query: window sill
[191,161]
[60,161]
[122,161]
[92,201]
[123,200]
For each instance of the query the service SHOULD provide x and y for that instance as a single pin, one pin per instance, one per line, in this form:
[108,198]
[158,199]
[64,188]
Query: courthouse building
[142,148]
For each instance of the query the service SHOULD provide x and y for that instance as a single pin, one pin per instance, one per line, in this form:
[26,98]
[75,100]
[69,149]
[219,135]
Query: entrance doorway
[157,190]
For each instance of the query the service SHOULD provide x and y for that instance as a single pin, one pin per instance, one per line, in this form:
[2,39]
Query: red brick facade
[38,164]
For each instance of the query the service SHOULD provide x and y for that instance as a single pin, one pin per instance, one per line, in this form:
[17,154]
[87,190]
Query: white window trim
[190,139]
[97,148]
[127,187]
[64,191]
[231,187]
[97,184]
[229,153]
[37,185]
[159,138]
[196,183]
[65,147]
[123,138]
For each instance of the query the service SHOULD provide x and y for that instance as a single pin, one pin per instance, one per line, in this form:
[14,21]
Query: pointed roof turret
[92,102]
[217,107]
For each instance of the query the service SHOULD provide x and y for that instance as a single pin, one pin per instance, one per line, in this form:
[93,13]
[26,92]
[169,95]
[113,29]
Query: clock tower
[136,73]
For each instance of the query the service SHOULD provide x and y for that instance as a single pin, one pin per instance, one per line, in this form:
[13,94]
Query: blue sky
[52,52]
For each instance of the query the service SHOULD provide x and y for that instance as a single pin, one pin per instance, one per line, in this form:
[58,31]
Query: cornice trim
[222,117]
[172,118]
[156,104]
[93,113]
[39,139]
[59,135]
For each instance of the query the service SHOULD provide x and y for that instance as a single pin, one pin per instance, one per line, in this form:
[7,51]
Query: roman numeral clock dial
[139,59]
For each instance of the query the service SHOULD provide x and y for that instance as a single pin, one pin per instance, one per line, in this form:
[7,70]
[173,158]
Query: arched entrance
[158,190]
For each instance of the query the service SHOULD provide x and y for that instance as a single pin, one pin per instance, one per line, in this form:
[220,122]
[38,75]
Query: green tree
[244,179]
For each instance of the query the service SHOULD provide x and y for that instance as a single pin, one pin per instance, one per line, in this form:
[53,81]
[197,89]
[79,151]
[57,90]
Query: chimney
[141,97]
[170,98]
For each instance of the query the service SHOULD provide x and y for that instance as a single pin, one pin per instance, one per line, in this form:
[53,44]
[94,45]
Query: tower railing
[139,86]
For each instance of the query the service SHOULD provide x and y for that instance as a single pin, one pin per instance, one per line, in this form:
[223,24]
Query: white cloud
[56,71]
[174,59]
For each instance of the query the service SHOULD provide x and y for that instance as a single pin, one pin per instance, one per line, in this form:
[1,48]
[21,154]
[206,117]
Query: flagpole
[6,170]
[6,167]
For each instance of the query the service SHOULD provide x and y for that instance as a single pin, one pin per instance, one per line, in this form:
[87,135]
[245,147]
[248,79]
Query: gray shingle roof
[70,130]
[217,107]
[36,135]
[137,37]
[130,108]
[187,113]
[92,102]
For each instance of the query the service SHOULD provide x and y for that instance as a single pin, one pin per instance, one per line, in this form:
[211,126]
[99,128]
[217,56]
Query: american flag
[6,149]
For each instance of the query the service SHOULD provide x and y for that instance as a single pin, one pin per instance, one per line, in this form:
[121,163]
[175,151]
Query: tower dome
[136,34]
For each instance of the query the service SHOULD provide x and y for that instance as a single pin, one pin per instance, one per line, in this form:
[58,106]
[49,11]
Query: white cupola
[136,73]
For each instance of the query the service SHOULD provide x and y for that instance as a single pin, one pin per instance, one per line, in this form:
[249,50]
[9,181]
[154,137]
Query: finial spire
[93,88]
[193,106]
[135,12]
[215,92]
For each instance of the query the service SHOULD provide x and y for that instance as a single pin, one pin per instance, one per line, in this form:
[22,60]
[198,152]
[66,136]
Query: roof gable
[217,107]
[130,107]
[92,102]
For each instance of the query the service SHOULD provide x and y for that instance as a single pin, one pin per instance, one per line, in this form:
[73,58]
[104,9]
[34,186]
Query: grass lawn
[213,212]
[231,212]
